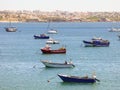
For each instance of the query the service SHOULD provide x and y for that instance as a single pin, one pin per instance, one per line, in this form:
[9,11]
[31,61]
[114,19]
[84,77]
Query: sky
[63,5]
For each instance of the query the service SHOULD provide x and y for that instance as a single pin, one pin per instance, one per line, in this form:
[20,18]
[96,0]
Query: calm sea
[20,55]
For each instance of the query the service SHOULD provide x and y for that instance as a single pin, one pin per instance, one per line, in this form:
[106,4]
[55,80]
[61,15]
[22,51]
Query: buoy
[48,80]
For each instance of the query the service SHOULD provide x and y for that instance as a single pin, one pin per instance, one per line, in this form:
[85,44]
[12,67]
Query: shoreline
[53,21]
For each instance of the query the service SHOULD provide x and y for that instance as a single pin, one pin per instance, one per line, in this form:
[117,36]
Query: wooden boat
[77,79]
[47,50]
[58,65]
[96,42]
[41,36]
[52,41]
[11,29]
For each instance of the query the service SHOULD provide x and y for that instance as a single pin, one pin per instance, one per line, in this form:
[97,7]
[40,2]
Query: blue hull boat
[41,36]
[96,43]
[77,79]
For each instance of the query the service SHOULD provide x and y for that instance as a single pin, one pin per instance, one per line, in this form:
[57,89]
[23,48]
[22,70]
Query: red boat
[47,50]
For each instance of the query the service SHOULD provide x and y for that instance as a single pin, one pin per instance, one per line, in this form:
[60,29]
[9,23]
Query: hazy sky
[64,5]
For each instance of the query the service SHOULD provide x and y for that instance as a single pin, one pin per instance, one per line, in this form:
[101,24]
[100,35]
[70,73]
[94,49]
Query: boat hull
[114,30]
[96,43]
[41,37]
[75,79]
[53,51]
[57,65]
[11,29]
[52,32]
[52,42]
[88,44]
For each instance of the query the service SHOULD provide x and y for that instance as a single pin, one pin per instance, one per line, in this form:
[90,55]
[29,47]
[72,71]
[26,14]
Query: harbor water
[20,55]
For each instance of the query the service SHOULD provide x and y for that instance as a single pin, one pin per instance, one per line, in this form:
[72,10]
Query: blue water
[20,55]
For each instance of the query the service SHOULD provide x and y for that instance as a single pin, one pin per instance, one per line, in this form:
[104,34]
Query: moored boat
[114,30]
[78,79]
[47,50]
[52,41]
[96,42]
[11,29]
[52,31]
[41,36]
[57,65]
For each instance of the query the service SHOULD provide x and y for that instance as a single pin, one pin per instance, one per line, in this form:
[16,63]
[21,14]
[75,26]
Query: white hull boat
[52,31]
[115,30]
[57,65]
[52,41]
[11,29]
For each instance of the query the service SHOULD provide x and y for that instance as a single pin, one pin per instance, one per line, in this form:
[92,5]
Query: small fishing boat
[58,65]
[52,41]
[47,50]
[52,31]
[77,79]
[11,29]
[96,42]
[41,36]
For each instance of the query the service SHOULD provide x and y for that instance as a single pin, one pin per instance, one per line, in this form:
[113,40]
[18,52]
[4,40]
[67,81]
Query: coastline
[9,21]
[52,21]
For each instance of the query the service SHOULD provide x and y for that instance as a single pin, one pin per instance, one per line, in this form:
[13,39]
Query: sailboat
[10,28]
[115,29]
[51,31]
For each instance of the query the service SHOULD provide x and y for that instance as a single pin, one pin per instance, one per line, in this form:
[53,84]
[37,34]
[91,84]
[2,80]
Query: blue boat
[77,79]
[41,36]
[99,42]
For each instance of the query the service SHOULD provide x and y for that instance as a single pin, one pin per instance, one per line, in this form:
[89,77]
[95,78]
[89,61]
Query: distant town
[57,16]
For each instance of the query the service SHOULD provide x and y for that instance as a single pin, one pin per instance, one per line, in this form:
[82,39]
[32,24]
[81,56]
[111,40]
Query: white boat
[114,30]
[11,29]
[96,38]
[52,41]
[52,31]
[57,65]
